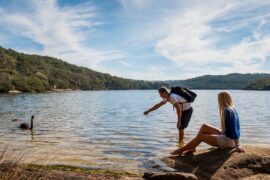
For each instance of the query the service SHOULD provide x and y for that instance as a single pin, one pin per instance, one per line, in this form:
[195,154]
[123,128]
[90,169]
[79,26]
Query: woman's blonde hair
[224,101]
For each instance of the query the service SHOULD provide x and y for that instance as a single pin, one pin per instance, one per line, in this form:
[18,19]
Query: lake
[107,129]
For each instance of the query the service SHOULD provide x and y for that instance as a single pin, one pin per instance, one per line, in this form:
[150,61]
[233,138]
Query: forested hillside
[230,81]
[260,84]
[33,73]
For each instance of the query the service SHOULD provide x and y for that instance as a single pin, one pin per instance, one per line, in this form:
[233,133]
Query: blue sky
[143,39]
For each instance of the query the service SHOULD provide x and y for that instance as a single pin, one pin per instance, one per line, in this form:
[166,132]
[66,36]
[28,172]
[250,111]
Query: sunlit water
[107,129]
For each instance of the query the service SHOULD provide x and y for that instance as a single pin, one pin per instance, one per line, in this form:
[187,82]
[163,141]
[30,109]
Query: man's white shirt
[175,98]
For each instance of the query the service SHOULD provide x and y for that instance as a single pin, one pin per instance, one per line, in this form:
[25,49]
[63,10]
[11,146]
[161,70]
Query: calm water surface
[106,129]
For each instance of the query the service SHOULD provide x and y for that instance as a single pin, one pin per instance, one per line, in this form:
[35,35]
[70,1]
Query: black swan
[26,125]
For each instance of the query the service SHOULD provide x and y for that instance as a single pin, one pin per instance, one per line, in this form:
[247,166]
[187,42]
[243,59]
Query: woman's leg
[207,138]
[208,129]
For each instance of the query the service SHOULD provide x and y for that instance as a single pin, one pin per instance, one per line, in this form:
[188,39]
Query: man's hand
[240,149]
[155,107]
[179,125]
[146,112]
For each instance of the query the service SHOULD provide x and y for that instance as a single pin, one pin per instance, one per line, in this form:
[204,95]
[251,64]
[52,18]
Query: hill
[259,84]
[230,81]
[33,73]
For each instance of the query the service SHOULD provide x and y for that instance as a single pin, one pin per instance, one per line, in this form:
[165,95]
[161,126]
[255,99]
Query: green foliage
[5,82]
[29,84]
[230,81]
[260,84]
[21,84]
[28,73]
[6,62]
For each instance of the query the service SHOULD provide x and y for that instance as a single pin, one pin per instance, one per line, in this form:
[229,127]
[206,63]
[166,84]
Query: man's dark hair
[163,89]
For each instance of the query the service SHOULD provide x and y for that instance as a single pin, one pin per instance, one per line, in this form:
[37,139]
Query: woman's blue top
[232,124]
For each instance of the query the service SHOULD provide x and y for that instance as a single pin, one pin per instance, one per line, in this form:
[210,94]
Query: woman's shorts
[225,142]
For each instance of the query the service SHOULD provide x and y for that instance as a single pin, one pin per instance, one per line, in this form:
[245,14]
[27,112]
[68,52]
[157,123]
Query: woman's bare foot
[177,152]
[190,151]
[180,152]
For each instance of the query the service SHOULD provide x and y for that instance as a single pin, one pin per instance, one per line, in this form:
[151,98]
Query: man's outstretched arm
[155,107]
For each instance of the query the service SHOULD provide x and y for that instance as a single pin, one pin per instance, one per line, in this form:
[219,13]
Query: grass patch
[103,172]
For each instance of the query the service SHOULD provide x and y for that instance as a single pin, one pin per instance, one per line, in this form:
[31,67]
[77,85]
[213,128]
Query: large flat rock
[225,164]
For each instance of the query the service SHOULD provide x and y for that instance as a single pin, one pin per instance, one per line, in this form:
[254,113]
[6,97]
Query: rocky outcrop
[14,92]
[41,76]
[225,164]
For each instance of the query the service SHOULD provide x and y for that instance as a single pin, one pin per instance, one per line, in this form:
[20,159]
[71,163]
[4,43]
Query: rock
[224,164]
[14,92]
[129,178]
[41,76]
[169,176]
[257,177]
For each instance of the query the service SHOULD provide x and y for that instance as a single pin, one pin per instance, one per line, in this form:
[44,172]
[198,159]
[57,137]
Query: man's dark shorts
[186,116]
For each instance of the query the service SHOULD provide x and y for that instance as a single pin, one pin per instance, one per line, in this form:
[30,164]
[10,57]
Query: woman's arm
[232,128]
[155,107]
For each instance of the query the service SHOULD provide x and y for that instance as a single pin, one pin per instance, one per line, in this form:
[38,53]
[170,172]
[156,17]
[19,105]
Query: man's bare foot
[181,144]
[181,140]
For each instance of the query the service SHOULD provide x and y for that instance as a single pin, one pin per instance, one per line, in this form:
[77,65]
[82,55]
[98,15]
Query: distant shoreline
[47,91]
[62,90]
[74,90]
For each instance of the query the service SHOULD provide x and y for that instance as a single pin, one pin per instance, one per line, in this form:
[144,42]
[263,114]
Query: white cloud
[198,37]
[130,4]
[191,37]
[153,73]
[58,30]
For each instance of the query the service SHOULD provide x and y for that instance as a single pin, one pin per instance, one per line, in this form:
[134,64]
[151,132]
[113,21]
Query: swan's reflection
[32,135]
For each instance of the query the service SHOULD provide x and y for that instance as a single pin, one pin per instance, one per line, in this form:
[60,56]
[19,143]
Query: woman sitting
[227,138]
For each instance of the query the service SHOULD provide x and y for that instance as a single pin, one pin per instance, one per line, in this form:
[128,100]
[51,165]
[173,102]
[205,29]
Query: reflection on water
[106,129]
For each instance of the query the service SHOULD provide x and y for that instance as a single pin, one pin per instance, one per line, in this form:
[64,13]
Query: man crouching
[183,109]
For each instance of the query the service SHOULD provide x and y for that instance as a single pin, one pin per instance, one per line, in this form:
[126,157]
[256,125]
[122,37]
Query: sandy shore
[62,90]
[204,164]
